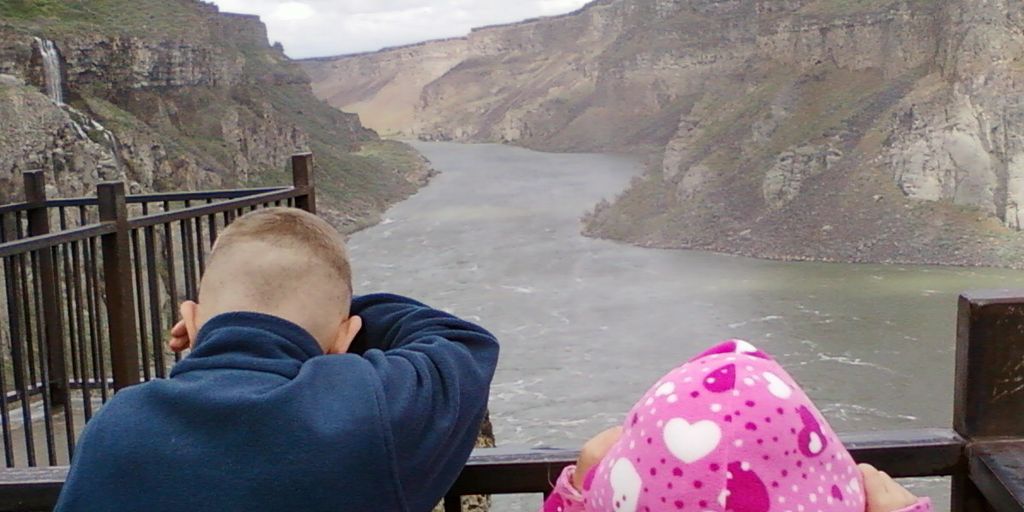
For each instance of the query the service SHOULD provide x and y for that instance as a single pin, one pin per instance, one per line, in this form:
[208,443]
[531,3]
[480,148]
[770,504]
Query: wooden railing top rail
[35,243]
[241,198]
[902,453]
[13,207]
[201,195]
[242,201]
[169,197]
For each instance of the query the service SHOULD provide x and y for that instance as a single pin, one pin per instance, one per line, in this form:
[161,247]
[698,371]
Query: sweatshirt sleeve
[436,372]
[564,497]
[922,505]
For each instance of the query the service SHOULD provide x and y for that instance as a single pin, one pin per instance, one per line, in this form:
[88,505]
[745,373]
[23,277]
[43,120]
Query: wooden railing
[90,288]
[87,305]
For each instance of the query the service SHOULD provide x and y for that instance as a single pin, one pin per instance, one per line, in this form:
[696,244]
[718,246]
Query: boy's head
[729,430]
[283,262]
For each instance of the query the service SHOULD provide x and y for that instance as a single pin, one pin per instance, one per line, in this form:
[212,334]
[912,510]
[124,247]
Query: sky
[315,28]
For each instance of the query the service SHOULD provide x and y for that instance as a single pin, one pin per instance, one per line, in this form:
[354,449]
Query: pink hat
[728,431]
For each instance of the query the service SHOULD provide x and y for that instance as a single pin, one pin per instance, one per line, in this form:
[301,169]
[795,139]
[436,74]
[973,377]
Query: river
[587,325]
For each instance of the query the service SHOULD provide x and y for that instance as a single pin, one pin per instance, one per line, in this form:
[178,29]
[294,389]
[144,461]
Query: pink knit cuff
[922,505]
[564,497]
[564,485]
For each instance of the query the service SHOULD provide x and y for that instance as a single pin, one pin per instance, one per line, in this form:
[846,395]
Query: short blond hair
[284,262]
[281,226]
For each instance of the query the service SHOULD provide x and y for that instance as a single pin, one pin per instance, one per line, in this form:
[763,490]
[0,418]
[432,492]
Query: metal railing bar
[172,281]
[201,195]
[207,209]
[153,286]
[147,198]
[135,266]
[36,243]
[26,345]
[96,329]
[44,369]
[13,207]
[76,268]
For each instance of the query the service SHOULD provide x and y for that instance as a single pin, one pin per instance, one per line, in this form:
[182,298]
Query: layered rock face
[385,88]
[869,130]
[963,141]
[38,135]
[183,97]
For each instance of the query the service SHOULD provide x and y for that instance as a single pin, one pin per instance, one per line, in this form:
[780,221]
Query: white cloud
[291,11]
[309,28]
[548,7]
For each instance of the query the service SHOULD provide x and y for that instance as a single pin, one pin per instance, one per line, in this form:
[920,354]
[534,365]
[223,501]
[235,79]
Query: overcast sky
[313,28]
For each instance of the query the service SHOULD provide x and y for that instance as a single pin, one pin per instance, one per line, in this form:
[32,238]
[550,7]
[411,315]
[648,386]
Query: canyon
[836,130]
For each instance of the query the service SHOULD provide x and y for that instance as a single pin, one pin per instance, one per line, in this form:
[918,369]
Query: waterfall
[85,126]
[51,70]
[115,147]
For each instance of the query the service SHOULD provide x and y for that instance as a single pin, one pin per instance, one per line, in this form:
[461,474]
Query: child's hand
[592,453]
[181,334]
[883,493]
[179,338]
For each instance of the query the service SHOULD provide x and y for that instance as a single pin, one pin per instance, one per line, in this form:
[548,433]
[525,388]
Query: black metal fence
[90,288]
[86,307]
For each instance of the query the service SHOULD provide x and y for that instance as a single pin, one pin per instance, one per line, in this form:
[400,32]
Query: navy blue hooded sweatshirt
[258,418]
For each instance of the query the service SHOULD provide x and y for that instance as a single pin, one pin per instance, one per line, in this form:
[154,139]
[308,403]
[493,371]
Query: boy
[289,400]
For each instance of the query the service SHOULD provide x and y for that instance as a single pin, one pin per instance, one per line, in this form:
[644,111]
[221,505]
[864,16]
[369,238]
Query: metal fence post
[989,389]
[38,225]
[120,291]
[302,179]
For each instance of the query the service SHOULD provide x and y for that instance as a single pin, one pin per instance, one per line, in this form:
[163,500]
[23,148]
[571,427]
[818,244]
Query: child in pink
[729,431]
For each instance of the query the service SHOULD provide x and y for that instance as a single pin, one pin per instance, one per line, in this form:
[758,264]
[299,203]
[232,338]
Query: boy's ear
[349,329]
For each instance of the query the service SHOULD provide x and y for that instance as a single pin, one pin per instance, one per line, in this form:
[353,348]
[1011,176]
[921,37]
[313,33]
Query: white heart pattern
[745,347]
[626,485]
[690,443]
[777,387]
[815,445]
[665,389]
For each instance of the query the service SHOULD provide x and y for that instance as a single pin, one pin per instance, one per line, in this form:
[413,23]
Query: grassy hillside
[149,18]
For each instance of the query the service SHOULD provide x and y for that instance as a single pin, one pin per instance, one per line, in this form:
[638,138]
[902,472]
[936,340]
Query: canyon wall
[861,130]
[176,95]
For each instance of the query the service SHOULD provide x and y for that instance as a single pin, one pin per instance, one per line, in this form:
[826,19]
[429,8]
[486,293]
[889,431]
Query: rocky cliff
[854,130]
[175,95]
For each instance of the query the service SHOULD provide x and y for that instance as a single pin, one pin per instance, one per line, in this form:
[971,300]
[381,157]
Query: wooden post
[965,496]
[38,225]
[302,180]
[120,291]
[989,386]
